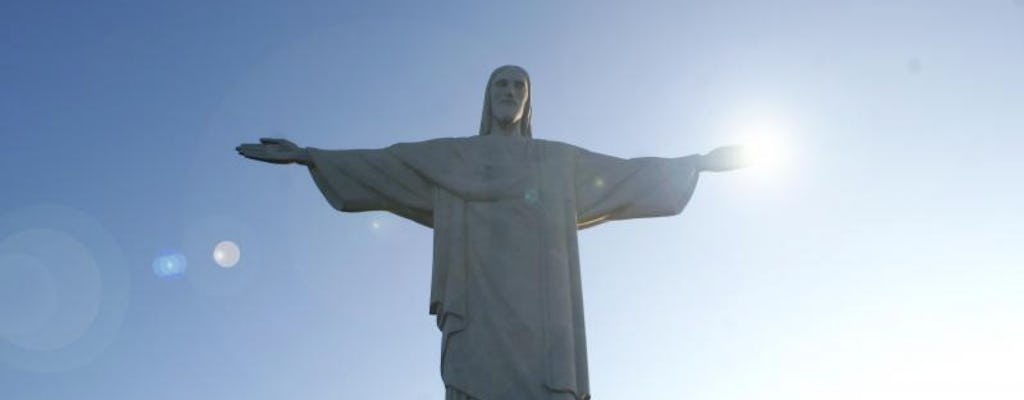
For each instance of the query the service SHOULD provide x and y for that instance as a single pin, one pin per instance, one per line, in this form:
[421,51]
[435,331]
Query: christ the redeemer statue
[505,209]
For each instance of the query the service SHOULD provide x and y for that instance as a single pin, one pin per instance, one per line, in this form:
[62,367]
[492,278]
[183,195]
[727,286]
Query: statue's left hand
[725,158]
[277,151]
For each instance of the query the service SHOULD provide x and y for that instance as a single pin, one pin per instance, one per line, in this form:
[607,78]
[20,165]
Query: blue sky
[879,260]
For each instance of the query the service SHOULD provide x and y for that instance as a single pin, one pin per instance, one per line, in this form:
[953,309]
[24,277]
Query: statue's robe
[506,276]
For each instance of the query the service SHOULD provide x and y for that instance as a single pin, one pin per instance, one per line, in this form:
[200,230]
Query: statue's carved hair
[525,124]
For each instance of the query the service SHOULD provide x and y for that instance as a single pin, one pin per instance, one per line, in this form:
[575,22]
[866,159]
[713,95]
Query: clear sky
[881,258]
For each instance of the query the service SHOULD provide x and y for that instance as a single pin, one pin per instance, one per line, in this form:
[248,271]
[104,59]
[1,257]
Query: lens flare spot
[531,196]
[226,254]
[914,66]
[169,265]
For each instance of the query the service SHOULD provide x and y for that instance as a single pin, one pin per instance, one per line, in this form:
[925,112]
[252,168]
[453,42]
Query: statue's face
[508,92]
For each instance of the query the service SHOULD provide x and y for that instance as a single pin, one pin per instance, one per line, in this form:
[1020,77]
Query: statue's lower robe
[506,277]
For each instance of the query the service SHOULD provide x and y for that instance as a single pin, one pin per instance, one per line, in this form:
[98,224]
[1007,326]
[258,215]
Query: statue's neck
[510,129]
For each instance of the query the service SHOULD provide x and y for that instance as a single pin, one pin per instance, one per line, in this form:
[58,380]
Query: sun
[765,146]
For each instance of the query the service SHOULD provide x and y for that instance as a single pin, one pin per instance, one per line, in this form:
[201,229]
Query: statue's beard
[507,121]
[507,117]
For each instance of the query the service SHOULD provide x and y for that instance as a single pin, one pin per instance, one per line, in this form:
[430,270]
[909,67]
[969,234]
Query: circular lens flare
[65,287]
[226,254]
[28,294]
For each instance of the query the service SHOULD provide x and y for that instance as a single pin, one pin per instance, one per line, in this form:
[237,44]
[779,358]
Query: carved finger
[260,153]
[251,156]
[252,151]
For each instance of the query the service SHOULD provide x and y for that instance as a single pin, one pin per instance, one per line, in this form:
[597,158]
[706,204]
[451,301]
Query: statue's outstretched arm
[725,158]
[277,151]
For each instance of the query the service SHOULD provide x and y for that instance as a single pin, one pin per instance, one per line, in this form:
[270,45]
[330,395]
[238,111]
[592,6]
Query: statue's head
[507,101]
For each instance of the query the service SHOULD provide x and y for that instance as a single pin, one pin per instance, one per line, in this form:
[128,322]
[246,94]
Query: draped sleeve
[611,188]
[372,180]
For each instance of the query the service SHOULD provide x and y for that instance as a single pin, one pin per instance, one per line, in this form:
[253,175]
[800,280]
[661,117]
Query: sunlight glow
[934,364]
[766,148]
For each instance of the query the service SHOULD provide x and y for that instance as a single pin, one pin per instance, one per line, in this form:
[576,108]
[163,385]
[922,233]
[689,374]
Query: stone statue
[505,209]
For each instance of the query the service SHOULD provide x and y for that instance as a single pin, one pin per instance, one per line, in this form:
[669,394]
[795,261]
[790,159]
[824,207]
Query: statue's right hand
[277,151]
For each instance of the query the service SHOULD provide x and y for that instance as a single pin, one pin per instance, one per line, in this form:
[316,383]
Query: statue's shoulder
[436,143]
[489,143]
[554,144]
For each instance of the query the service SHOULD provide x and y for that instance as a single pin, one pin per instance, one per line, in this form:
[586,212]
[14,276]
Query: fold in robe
[505,211]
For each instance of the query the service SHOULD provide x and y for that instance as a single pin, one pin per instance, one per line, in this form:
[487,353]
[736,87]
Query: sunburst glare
[766,147]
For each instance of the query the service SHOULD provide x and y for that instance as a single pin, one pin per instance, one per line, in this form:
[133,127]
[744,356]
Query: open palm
[277,151]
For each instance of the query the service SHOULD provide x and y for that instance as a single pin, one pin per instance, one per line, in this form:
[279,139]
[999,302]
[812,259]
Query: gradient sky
[880,260]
